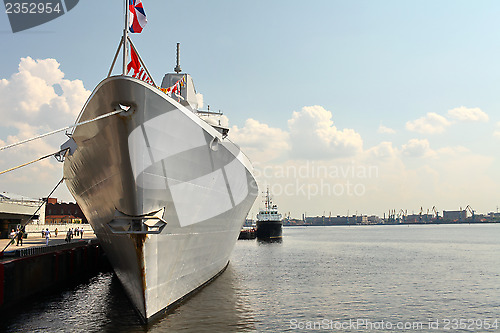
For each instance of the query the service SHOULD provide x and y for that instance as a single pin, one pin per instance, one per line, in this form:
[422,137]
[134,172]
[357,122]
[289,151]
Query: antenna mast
[268,199]
[177,68]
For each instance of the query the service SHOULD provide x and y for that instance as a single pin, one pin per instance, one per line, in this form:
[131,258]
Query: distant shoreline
[379,224]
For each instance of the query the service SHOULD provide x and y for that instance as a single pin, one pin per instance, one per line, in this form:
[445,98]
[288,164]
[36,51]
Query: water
[316,279]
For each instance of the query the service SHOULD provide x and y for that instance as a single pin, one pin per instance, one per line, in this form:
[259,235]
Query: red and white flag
[139,71]
[134,62]
[137,16]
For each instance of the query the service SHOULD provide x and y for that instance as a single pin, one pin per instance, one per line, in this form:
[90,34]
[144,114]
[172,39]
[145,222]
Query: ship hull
[269,229]
[165,193]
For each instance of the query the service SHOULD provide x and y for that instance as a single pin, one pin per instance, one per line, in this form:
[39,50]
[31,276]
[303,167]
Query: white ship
[165,191]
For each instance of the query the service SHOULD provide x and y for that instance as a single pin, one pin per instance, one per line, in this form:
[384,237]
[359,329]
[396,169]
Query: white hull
[159,159]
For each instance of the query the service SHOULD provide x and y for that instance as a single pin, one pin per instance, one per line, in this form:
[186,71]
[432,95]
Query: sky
[343,107]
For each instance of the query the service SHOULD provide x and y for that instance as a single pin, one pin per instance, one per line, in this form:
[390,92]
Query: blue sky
[363,64]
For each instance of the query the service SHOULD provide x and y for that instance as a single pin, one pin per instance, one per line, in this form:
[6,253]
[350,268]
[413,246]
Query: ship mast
[268,199]
[125,39]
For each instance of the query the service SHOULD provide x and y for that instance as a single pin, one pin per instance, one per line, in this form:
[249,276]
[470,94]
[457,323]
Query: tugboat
[269,221]
[248,230]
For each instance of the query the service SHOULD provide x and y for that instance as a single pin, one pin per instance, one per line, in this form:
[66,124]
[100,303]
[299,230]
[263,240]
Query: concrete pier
[34,267]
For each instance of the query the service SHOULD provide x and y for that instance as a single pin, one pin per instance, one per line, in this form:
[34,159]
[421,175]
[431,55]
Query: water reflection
[222,306]
[101,305]
[262,241]
[80,308]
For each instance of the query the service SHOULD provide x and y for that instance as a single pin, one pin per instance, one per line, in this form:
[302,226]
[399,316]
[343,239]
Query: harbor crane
[471,211]
[402,216]
[435,212]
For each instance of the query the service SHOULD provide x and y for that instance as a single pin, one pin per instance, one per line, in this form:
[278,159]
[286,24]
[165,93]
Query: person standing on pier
[12,237]
[19,236]
[47,236]
[68,236]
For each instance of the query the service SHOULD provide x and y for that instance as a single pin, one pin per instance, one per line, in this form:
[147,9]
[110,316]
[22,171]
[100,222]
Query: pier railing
[31,251]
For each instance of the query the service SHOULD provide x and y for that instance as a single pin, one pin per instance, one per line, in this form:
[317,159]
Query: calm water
[392,278]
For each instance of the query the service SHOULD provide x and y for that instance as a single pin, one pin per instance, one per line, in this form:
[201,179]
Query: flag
[139,74]
[137,16]
[174,88]
[134,62]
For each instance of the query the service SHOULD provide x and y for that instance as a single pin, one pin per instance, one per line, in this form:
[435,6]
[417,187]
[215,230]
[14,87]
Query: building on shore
[327,220]
[63,212]
[455,215]
[419,218]
[16,210]
[494,216]
[459,216]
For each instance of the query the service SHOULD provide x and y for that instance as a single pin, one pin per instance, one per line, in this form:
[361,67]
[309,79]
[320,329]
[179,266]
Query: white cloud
[224,121]
[401,175]
[199,99]
[259,141]
[418,148]
[29,96]
[35,100]
[453,151]
[311,135]
[314,136]
[383,151]
[468,114]
[432,123]
[496,133]
[385,130]
[47,70]
[465,178]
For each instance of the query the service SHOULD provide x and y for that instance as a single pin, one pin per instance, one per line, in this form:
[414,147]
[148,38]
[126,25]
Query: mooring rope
[46,156]
[62,129]
[36,160]
[34,214]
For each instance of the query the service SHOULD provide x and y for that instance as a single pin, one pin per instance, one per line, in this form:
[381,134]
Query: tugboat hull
[269,229]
